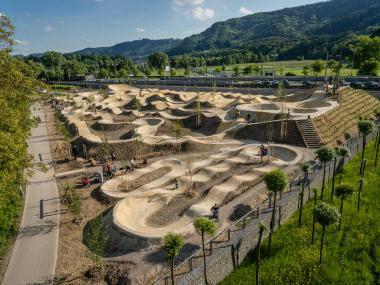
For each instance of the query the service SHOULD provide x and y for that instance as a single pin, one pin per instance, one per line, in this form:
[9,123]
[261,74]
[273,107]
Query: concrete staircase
[309,134]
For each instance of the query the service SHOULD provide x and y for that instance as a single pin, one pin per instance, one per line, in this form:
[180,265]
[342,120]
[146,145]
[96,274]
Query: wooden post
[229,234]
[258,212]
[244,221]
[41,209]
[279,215]
[191,264]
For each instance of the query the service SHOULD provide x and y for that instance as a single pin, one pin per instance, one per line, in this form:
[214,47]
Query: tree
[305,167]
[178,127]
[248,70]
[343,191]
[276,182]
[281,69]
[18,89]
[236,70]
[172,245]
[325,215]
[365,128]
[317,67]
[204,226]
[258,254]
[158,60]
[325,155]
[306,70]
[332,64]
[343,152]
[74,204]
[367,55]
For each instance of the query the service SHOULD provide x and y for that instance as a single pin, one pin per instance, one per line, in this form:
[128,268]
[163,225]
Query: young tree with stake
[276,182]
[343,191]
[343,152]
[305,169]
[365,128]
[325,215]
[172,245]
[325,155]
[258,255]
[204,226]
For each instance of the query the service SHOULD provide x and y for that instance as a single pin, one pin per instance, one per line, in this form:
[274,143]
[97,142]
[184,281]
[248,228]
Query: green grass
[351,255]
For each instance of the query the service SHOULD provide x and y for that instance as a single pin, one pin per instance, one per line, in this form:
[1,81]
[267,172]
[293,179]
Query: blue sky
[69,25]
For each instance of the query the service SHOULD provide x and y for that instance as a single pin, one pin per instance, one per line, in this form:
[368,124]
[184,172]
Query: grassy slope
[351,255]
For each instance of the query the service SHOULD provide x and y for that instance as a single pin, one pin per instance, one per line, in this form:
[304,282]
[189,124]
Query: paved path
[34,255]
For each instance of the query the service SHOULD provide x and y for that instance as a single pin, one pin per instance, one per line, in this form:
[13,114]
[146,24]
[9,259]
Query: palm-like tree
[172,245]
[276,181]
[343,191]
[325,155]
[305,167]
[343,152]
[365,127]
[204,226]
[325,215]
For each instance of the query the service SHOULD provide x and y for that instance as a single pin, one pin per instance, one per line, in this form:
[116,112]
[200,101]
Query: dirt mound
[99,126]
[155,98]
[131,104]
[202,124]
[203,105]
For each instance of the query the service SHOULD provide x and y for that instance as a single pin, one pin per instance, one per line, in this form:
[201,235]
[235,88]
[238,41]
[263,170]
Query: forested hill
[133,49]
[289,30]
[290,33]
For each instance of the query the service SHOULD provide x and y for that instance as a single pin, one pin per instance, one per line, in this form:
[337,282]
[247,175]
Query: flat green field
[351,255]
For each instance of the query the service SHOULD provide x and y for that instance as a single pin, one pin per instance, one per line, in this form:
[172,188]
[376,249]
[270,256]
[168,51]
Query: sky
[71,25]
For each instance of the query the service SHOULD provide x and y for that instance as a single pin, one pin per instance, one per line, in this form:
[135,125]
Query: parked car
[267,83]
[286,83]
[346,83]
[372,85]
[308,84]
[357,84]
[258,83]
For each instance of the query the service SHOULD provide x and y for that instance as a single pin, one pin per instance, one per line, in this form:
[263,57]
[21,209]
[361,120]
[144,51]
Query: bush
[290,74]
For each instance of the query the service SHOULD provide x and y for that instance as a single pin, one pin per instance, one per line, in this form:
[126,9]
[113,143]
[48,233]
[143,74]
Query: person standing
[74,150]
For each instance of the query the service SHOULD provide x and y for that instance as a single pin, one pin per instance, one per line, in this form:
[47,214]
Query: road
[34,255]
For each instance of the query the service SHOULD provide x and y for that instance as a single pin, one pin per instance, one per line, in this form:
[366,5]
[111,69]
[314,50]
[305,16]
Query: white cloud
[185,2]
[140,30]
[203,14]
[244,11]
[48,28]
[22,43]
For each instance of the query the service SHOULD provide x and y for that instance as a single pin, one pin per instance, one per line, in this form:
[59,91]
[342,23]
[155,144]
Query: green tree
[306,70]
[236,70]
[75,204]
[172,245]
[281,70]
[248,70]
[204,226]
[18,90]
[305,167]
[276,182]
[158,60]
[343,152]
[325,215]
[317,67]
[365,128]
[332,65]
[343,191]
[367,55]
[325,155]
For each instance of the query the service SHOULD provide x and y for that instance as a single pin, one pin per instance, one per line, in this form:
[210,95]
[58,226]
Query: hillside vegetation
[341,121]
[291,32]
[351,255]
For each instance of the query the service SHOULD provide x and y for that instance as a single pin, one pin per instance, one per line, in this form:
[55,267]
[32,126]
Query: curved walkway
[34,255]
